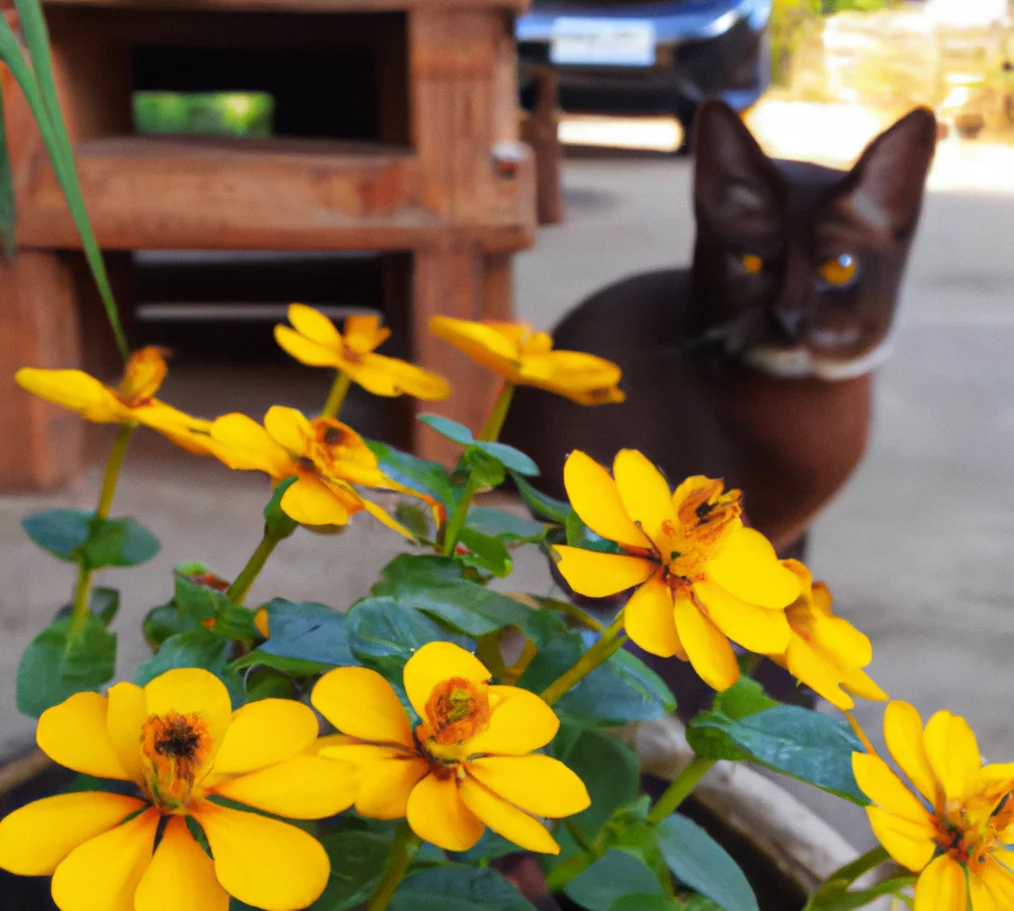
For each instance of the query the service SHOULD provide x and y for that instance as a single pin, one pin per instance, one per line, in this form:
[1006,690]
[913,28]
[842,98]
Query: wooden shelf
[265,194]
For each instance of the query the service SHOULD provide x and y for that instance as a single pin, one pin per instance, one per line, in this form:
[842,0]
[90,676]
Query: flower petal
[265,732]
[537,784]
[358,701]
[953,754]
[290,429]
[860,684]
[36,837]
[941,886]
[645,494]
[242,444]
[192,690]
[756,628]
[103,874]
[877,781]
[434,663]
[708,650]
[437,814]
[520,722]
[303,787]
[910,843]
[385,786]
[181,876]
[314,325]
[76,390]
[363,333]
[75,735]
[582,378]
[385,518]
[1000,882]
[596,499]
[304,350]
[599,575]
[903,735]
[978,892]
[747,567]
[811,667]
[264,862]
[310,502]
[506,820]
[648,620]
[124,718]
[389,376]
[483,344]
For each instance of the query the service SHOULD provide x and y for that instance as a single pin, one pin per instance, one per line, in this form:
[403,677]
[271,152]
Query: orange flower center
[175,747]
[971,830]
[704,516]
[457,710]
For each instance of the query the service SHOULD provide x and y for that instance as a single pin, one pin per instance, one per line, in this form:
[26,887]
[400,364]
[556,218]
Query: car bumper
[723,55]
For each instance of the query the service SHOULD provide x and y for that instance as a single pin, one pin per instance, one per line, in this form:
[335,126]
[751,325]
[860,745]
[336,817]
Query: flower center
[703,518]
[174,749]
[457,710]
[970,831]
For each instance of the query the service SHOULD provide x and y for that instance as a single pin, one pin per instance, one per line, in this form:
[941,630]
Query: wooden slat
[145,193]
[41,444]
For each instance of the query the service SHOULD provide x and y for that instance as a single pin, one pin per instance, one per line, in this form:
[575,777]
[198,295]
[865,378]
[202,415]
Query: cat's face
[798,266]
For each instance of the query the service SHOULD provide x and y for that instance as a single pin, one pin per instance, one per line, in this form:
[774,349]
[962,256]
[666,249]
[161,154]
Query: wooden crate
[425,183]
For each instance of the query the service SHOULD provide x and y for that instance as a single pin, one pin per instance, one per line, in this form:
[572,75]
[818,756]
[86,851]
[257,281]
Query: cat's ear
[736,185]
[885,187]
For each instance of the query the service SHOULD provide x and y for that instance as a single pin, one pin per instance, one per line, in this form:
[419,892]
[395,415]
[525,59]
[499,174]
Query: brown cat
[754,365]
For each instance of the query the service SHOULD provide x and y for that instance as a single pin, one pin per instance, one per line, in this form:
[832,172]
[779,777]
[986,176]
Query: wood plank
[190,193]
[301,6]
[42,444]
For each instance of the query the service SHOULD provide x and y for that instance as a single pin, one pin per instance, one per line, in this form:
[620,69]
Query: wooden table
[427,182]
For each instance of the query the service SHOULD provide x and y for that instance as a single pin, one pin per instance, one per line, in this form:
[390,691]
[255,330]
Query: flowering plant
[402,751]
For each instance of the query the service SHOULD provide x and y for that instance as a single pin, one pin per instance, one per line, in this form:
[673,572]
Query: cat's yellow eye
[752,263]
[838,270]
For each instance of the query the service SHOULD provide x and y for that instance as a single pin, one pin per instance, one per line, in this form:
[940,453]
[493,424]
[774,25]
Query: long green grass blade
[6,193]
[46,110]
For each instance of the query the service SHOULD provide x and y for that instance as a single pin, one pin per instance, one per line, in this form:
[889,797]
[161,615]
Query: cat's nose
[787,323]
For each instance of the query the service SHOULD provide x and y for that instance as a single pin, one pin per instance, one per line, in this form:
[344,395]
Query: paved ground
[917,549]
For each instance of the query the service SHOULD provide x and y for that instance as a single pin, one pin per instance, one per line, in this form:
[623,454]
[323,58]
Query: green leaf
[39,87]
[613,876]
[498,523]
[306,639]
[357,862]
[383,634]
[644,902]
[75,536]
[485,553]
[580,535]
[194,648]
[623,689]
[539,503]
[434,586]
[64,659]
[7,206]
[700,862]
[199,602]
[276,522]
[103,602]
[266,683]
[416,474]
[797,742]
[485,470]
[162,622]
[508,456]
[843,900]
[458,888]
[745,697]
[416,517]
[608,768]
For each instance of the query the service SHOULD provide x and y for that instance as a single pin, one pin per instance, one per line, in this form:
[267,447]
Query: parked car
[647,56]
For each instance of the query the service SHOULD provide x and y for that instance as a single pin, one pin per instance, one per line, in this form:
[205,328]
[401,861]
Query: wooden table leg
[40,444]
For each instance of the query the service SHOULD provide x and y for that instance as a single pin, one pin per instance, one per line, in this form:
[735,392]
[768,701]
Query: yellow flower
[701,574]
[526,358]
[179,741]
[317,342]
[954,823]
[132,402]
[468,765]
[325,456]
[826,652]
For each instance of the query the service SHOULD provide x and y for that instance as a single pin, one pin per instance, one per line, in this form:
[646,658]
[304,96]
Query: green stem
[336,397]
[241,584]
[79,605]
[494,423]
[680,789]
[452,530]
[574,612]
[403,849]
[848,874]
[610,641]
